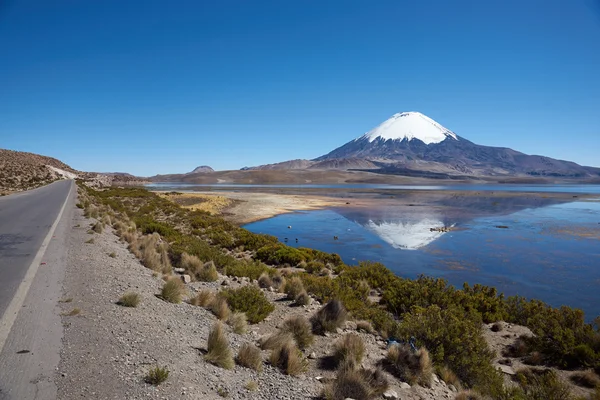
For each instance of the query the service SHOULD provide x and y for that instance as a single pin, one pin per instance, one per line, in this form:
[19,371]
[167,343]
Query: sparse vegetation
[586,379]
[409,366]
[249,356]
[238,322]
[219,353]
[129,300]
[203,298]
[157,375]
[251,386]
[289,359]
[75,311]
[348,351]
[364,326]
[113,255]
[330,317]
[173,290]
[356,384]
[299,327]
[468,395]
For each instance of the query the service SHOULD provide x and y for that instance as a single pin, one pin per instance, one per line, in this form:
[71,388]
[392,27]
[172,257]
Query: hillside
[21,171]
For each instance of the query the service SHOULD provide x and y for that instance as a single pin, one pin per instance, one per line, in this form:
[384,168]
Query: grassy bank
[445,320]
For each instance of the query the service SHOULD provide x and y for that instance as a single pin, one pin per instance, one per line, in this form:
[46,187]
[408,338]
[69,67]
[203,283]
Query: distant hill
[21,171]
[202,169]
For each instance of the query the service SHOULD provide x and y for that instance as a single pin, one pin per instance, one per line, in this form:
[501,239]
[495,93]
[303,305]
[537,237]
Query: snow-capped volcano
[408,126]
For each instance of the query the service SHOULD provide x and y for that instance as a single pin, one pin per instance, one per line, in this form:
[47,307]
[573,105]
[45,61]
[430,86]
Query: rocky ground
[108,349]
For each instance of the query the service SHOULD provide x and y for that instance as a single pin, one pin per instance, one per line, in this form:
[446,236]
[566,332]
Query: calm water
[477,188]
[550,252]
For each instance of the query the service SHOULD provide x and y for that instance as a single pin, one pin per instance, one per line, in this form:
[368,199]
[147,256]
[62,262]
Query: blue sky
[160,87]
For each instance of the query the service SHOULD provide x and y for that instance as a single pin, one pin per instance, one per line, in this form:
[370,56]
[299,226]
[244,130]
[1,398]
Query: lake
[539,250]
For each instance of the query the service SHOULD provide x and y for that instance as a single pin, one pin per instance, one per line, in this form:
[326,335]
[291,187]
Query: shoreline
[247,205]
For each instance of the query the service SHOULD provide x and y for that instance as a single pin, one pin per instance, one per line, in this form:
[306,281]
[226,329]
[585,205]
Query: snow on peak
[408,126]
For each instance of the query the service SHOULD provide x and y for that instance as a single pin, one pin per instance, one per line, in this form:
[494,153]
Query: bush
[330,317]
[249,357]
[219,307]
[129,300]
[299,327]
[265,281]
[496,327]
[348,351]
[303,299]
[252,270]
[173,290]
[356,384]
[157,375]
[293,287]
[204,298]
[250,300]
[468,395]
[364,326]
[543,385]
[208,272]
[289,359]
[409,366]
[586,379]
[238,322]
[219,352]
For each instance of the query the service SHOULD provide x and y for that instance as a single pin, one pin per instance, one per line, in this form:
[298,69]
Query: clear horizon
[146,89]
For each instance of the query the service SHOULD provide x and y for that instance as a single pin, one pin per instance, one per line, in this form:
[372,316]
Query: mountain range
[412,144]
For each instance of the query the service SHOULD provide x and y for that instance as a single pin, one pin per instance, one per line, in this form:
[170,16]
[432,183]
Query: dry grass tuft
[468,395]
[409,366]
[157,375]
[113,255]
[191,264]
[72,313]
[586,379]
[165,261]
[348,351]
[364,326]
[220,308]
[289,359]
[251,386]
[219,352]
[330,317]
[208,273]
[129,300]
[238,322]
[90,241]
[249,357]
[293,287]
[299,327]
[357,384]
[98,227]
[303,299]
[173,290]
[448,376]
[265,281]
[278,280]
[203,298]
[276,340]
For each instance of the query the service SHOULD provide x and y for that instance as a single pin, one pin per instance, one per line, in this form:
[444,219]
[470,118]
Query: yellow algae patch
[213,204]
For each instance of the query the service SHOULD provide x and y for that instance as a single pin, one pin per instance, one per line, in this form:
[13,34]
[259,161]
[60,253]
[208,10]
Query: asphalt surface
[32,265]
[25,219]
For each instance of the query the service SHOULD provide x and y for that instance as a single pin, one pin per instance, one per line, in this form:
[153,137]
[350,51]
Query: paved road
[32,265]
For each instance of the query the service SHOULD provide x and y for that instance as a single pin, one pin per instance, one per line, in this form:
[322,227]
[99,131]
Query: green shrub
[157,375]
[129,300]
[250,300]
[454,338]
[543,385]
[219,353]
[249,356]
[252,270]
[173,290]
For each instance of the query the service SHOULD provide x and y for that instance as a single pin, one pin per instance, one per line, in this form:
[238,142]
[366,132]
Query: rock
[351,325]
[452,388]
[506,369]
[404,385]
[186,278]
[179,270]
[224,283]
[339,330]
[319,378]
[312,355]
[435,378]
[390,394]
